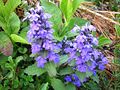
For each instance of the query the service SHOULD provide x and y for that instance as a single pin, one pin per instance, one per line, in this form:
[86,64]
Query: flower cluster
[73,78]
[80,48]
[41,37]
[82,51]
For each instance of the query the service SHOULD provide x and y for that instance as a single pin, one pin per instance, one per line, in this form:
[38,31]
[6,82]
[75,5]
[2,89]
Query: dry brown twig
[99,15]
[110,12]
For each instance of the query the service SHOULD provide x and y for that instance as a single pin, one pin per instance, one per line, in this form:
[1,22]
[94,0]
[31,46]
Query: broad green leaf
[54,11]
[2,22]
[51,69]
[1,7]
[58,38]
[1,3]
[34,70]
[69,10]
[6,46]
[78,21]
[72,63]
[88,73]
[70,86]
[71,34]
[44,86]
[74,21]
[57,84]
[63,59]
[66,7]
[93,86]
[24,24]
[104,41]
[117,28]
[95,78]
[76,4]
[14,22]
[3,59]
[23,33]
[67,70]
[19,39]
[10,6]
[81,75]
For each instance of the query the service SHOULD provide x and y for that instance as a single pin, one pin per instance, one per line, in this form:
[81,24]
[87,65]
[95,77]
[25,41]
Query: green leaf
[76,4]
[14,22]
[71,34]
[19,39]
[58,38]
[10,6]
[1,87]
[70,87]
[1,7]
[6,46]
[51,69]
[103,41]
[66,7]
[10,75]
[8,66]
[63,59]
[95,78]
[1,3]
[117,28]
[88,73]
[117,52]
[3,59]
[67,70]
[2,22]
[72,63]
[54,11]
[22,50]
[81,75]
[34,70]
[23,33]
[16,83]
[117,45]
[44,86]
[74,21]
[18,59]
[78,21]
[57,84]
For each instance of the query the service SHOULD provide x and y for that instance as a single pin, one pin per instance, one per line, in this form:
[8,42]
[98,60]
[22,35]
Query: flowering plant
[68,55]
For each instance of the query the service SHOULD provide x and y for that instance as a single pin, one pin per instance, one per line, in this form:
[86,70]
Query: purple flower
[81,49]
[101,67]
[68,79]
[82,68]
[73,78]
[36,48]
[40,61]
[41,37]
[53,57]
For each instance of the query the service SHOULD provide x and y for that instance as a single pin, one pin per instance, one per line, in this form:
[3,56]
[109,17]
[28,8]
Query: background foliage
[18,69]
